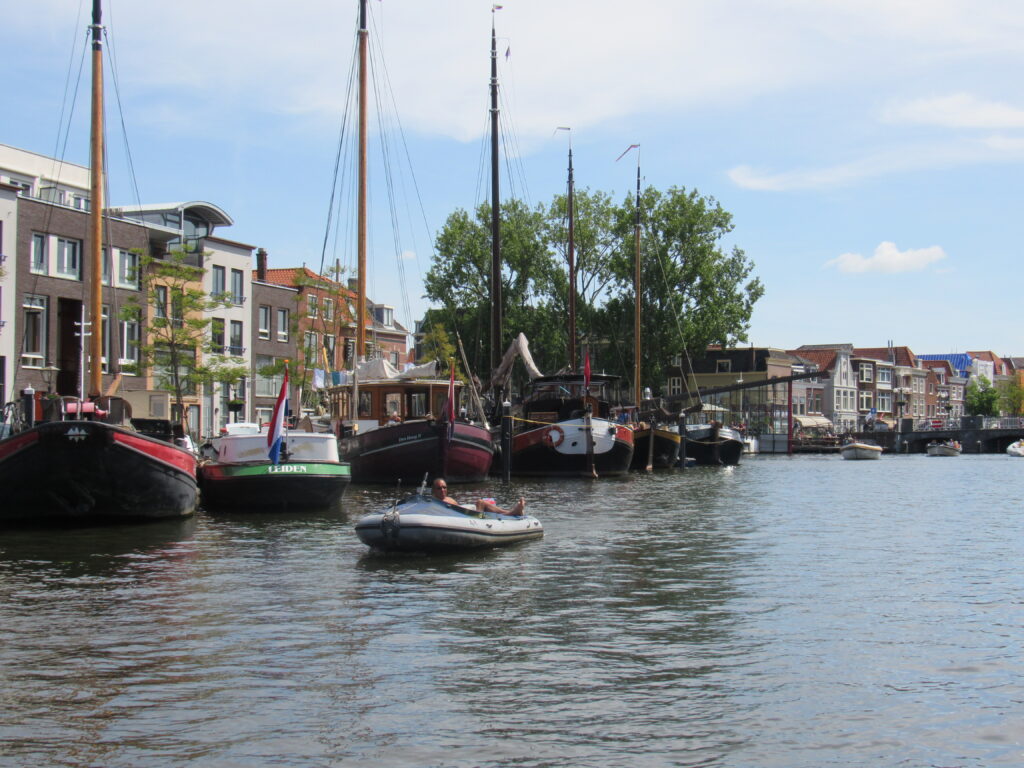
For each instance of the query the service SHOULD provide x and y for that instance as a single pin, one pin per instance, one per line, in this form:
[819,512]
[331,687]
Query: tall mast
[361,280]
[636,288]
[96,208]
[571,206]
[495,208]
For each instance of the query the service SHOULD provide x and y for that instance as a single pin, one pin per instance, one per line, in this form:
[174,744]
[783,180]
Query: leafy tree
[459,278]
[180,328]
[1011,396]
[981,398]
[694,290]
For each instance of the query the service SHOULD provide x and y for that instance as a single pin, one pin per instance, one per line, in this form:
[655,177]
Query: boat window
[393,404]
[418,404]
[365,404]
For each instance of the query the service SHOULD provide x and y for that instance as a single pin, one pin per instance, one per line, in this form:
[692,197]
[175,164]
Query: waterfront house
[840,387]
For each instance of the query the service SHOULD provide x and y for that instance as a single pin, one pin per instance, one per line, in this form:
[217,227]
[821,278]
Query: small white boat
[861,449]
[421,523]
[945,448]
[1016,449]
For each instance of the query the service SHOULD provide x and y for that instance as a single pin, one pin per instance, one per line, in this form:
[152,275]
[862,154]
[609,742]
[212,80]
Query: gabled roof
[293,276]
[992,357]
[825,359]
[944,364]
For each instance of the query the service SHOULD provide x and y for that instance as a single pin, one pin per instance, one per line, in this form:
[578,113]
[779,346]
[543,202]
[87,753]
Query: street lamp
[49,372]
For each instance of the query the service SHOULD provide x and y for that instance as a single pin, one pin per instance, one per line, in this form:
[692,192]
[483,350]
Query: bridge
[976,434]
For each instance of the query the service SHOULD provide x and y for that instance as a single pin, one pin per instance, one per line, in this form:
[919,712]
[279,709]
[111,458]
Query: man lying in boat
[440,491]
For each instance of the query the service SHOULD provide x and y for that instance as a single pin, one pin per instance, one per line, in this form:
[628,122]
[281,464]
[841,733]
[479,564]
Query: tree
[459,278]
[1011,396]
[180,328]
[693,291]
[981,398]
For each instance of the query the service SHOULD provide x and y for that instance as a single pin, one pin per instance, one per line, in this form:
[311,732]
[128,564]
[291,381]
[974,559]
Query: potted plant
[236,405]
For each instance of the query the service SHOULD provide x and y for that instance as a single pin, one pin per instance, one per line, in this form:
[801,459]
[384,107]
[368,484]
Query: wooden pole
[96,212]
[361,248]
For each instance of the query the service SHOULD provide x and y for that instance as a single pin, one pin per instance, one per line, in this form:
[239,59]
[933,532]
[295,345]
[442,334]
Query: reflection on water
[786,612]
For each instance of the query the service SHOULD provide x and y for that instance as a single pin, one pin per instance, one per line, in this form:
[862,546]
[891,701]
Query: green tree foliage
[981,398]
[1011,396]
[179,331]
[459,279]
[695,290]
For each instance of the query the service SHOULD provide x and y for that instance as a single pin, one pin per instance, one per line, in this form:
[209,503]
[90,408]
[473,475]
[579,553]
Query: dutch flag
[274,434]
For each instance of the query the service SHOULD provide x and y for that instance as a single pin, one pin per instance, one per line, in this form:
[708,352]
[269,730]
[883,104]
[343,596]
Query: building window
[81,202]
[329,349]
[40,262]
[33,350]
[885,376]
[312,306]
[105,267]
[885,402]
[237,345]
[129,342]
[865,400]
[867,372]
[267,384]
[264,415]
[310,345]
[219,282]
[675,385]
[161,301]
[328,310]
[217,336]
[127,269]
[282,325]
[69,258]
[237,287]
[264,321]
[723,366]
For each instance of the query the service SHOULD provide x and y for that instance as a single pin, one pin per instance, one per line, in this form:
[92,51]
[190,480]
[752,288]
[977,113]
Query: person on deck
[440,491]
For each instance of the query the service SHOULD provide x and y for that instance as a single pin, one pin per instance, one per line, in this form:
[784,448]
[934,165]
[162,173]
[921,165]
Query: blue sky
[870,151]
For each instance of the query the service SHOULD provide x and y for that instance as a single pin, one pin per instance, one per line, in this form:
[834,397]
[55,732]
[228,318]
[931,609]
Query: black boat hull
[665,453]
[708,447]
[87,472]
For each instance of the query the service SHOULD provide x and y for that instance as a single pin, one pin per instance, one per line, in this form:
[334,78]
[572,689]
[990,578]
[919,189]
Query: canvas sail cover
[521,347]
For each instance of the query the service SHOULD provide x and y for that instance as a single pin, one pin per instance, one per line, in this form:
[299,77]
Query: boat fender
[554,436]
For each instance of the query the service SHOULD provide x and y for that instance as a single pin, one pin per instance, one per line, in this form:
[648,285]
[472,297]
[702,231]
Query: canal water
[787,612]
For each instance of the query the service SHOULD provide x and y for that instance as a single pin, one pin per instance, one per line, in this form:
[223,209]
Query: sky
[870,151]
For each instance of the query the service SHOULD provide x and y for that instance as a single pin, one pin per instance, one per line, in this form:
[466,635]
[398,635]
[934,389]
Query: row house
[839,388]
[45,267]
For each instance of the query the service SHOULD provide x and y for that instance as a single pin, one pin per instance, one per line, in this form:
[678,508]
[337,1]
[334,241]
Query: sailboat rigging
[394,425]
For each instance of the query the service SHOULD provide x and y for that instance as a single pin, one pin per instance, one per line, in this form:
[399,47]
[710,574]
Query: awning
[816,422]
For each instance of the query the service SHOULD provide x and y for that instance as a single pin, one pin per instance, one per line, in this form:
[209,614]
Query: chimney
[261,265]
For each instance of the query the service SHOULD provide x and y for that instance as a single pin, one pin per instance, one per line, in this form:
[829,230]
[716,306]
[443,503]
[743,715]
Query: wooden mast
[496,333]
[96,209]
[636,288]
[360,350]
[571,208]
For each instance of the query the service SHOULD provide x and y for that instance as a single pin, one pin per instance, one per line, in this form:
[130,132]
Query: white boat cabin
[296,446]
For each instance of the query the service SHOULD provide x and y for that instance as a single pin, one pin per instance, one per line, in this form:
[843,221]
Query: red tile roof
[823,358]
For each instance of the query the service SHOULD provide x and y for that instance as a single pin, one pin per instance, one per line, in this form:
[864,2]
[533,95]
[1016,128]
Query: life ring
[554,436]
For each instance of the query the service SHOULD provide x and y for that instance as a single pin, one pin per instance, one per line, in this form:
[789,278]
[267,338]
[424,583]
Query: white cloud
[957,110]
[888,259]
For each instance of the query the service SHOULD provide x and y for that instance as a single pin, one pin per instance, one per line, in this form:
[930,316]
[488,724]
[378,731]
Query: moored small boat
[662,453]
[422,523]
[944,448]
[308,475]
[861,449]
[713,444]
[1016,449]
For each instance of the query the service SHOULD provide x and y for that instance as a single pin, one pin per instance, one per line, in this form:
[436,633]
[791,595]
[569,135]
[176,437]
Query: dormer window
[723,366]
